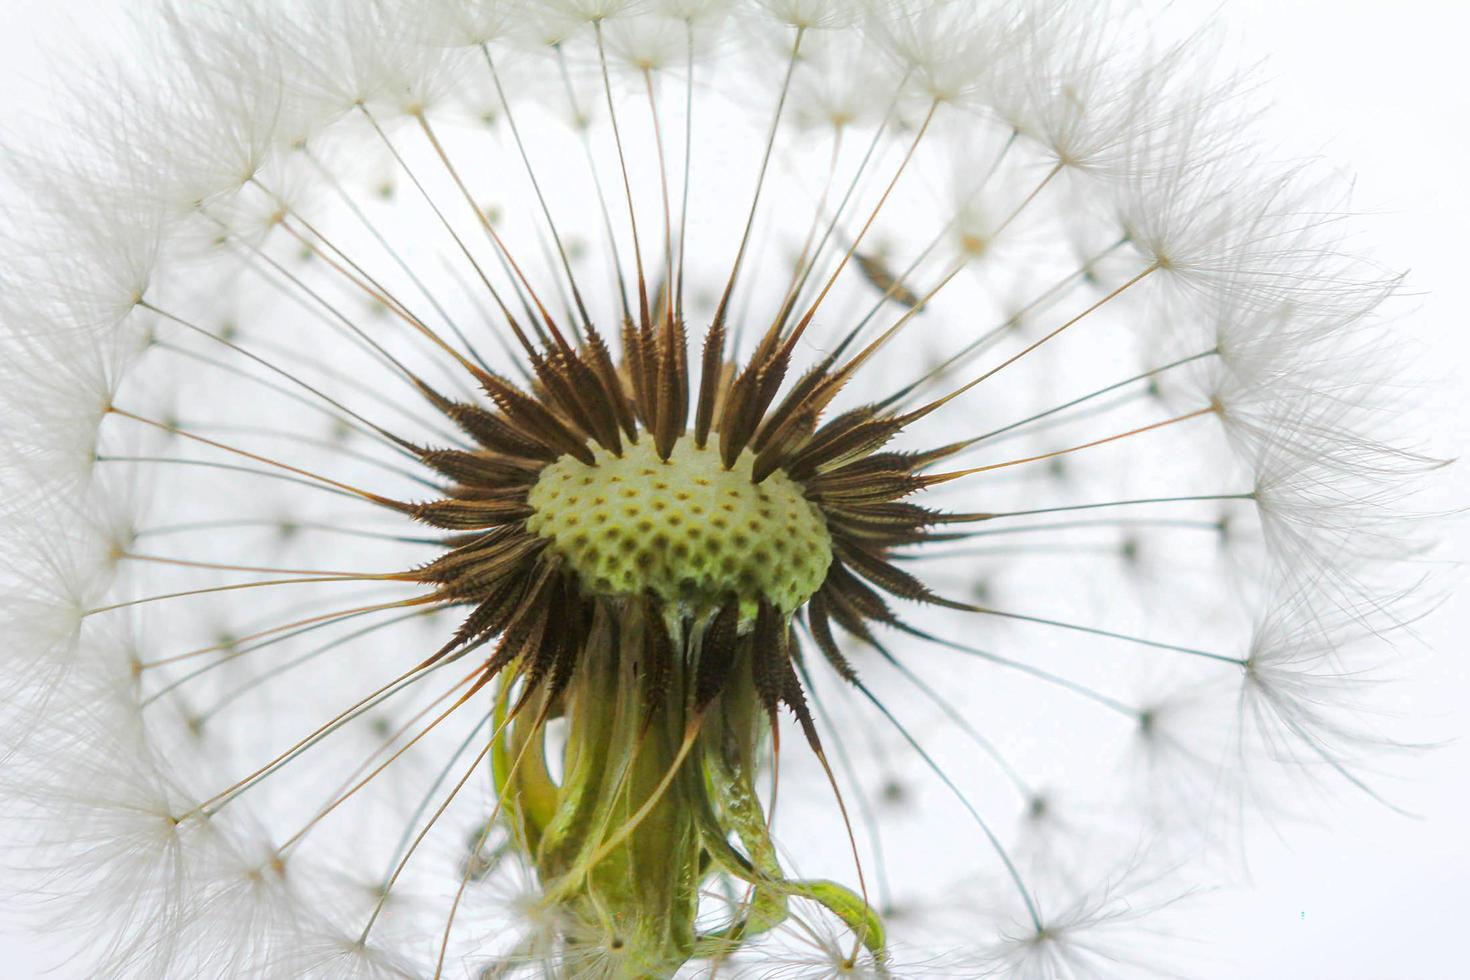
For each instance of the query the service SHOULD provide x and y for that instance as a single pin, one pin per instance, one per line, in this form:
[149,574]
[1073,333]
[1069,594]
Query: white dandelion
[598,488]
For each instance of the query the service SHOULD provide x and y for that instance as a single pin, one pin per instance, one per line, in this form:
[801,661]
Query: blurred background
[1376,89]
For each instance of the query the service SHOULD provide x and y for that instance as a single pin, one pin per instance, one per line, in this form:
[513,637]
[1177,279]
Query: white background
[1377,87]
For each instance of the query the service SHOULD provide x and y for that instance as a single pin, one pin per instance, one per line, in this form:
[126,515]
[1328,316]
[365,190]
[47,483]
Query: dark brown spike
[569,634]
[536,420]
[467,573]
[711,379]
[846,420]
[876,463]
[536,583]
[681,368]
[717,655]
[767,654]
[536,652]
[794,422]
[876,271]
[506,493]
[579,394]
[485,620]
[930,456]
[672,391]
[453,542]
[498,434]
[600,363]
[864,488]
[890,524]
[850,618]
[779,448]
[878,535]
[658,660]
[601,409]
[893,513]
[734,409]
[648,358]
[560,390]
[815,451]
[485,574]
[481,467]
[851,600]
[800,392]
[768,386]
[540,657]
[484,545]
[794,697]
[492,431]
[467,549]
[884,575]
[498,611]
[521,600]
[750,396]
[512,644]
[469,515]
[821,629]
[766,349]
[827,449]
[525,624]
[633,366]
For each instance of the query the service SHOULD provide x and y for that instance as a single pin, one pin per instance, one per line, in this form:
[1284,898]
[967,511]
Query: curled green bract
[655,804]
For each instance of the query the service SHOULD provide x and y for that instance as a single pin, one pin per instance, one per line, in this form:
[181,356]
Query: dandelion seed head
[816,14]
[601,488]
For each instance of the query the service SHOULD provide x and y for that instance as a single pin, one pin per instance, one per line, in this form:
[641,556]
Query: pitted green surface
[687,530]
